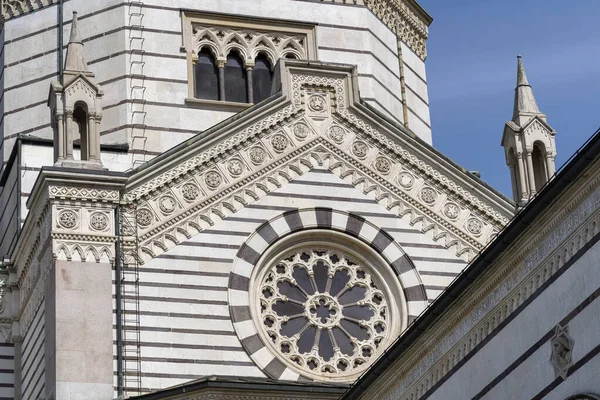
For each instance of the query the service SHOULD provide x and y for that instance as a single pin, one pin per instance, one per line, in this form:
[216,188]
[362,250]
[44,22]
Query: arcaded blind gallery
[240,199]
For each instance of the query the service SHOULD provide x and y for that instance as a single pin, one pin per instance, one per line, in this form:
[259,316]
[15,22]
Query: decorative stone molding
[310,144]
[271,256]
[562,351]
[15,8]
[573,226]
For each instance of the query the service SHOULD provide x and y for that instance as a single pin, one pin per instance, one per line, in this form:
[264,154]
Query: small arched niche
[236,85]
[514,174]
[262,78]
[206,76]
[80,120]
[538,159]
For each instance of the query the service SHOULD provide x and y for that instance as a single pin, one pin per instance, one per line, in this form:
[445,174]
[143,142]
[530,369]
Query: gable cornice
[219,172]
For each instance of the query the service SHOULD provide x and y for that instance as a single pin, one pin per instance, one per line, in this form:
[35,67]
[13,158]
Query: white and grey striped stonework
[294,221]
[186,326]
[33,371]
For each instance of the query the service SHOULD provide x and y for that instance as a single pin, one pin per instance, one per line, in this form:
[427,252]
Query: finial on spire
[75,61]
[525,103]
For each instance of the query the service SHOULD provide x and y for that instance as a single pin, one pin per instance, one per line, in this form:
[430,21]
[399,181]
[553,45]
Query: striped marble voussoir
[293,221]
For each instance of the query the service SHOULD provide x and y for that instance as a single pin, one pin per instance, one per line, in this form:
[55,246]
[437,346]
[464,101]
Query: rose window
[323,311]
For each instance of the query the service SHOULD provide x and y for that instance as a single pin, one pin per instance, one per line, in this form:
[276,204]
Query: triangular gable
[317,122]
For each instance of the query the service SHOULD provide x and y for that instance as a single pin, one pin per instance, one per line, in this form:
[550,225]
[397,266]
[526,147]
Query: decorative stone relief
[383,165]
[144,217]
[360,149]
[317,103]
[562,351]
[428,195]
[67,219]
[279,142]
[451,210]
[167,204]
[213,179]
[98,221]
[257,155]
[324,311]
[190,192]
[337,134]
[235,167]
[474,226]
[276,45]
[301,130]
[406,180]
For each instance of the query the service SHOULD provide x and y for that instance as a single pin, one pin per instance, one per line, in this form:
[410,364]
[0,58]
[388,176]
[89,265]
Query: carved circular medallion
[301,130]
[190,192]
[451,210]
[67,219]
[360,149]
[337,134]
[257,155]
[316,103]
[167,204]
[383,165]
[98,221]
[144,217]
[474,226]
[235,167]
[279,142]
[429,195]
[406,180]
[213,179]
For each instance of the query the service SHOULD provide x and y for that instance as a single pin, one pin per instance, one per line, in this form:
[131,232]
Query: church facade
[211,199]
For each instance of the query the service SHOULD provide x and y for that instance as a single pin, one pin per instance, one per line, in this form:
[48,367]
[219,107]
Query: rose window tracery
[323,311]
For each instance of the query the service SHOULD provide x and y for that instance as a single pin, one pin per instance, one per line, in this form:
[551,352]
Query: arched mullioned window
[80,117]
[262,75]
[206,76]
[236,83]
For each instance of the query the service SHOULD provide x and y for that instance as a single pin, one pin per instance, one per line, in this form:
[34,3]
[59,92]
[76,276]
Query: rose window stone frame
[378,331]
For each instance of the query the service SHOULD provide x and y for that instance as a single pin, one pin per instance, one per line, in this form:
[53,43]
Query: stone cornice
[567,226]
[15,8]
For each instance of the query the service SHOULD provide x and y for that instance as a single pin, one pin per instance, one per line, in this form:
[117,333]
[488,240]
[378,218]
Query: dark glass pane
[359,312]
[236,88]
[293,326]
[301,276]
[320,270]
[357,293]
[290,291]
[355,330]
[343,342]
[206,76]
[340,278]
[287,308]
[324,312]
[325,346]
[262,78]
[307,339]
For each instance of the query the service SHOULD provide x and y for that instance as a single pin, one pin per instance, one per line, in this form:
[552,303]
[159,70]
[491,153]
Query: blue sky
[471,74]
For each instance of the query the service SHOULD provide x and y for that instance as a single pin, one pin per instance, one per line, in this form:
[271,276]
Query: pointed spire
[75,61]
[525,104]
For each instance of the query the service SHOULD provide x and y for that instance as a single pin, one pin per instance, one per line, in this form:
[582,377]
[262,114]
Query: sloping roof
[527,216]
